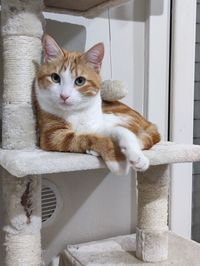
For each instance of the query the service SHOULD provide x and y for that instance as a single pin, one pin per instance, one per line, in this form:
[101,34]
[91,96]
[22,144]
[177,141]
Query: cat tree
[23,163]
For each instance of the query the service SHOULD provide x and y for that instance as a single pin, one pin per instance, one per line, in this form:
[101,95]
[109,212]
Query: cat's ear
[52,50]
[94,56]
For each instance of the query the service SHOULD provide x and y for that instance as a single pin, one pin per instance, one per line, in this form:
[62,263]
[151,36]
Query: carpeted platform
[120,251]
[35,162]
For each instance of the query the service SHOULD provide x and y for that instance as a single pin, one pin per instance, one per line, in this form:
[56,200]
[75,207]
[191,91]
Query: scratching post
[22,220]
[152,229]
[21,32]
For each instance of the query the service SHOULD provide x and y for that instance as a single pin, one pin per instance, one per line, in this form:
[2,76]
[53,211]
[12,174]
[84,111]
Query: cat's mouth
[65,103]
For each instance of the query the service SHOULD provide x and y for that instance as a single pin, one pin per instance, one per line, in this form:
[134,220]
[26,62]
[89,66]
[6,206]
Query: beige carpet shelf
[120,251]
[35,162]
[87,8]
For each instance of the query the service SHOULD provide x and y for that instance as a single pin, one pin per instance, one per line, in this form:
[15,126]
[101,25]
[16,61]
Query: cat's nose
[64,97]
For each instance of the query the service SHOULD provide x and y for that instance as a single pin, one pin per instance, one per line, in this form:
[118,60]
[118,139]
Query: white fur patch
[67,83]
[90,119]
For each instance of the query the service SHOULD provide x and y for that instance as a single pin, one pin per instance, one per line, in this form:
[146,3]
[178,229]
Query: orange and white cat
[73,118]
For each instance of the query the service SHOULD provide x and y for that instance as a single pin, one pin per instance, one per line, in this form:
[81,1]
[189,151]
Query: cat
[73,118]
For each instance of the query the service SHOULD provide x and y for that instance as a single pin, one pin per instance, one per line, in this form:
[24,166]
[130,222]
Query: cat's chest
[93,123]
[83,123]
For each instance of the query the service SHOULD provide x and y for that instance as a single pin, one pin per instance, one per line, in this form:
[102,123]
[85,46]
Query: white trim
[157,64]
[65,17]
[182,99]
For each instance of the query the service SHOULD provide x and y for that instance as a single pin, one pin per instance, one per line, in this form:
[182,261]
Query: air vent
[50,200]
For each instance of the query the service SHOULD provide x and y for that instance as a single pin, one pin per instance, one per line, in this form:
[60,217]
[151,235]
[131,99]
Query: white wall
[98,204]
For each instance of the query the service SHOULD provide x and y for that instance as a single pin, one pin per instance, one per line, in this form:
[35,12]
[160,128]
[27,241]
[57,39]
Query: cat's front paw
[118,167]
[141,164]
[136,159]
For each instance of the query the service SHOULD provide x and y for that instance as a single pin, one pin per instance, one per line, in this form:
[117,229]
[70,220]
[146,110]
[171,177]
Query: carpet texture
[33,162]
[120,251]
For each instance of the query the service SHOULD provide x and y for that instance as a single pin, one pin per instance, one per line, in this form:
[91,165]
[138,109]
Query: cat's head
[68,80]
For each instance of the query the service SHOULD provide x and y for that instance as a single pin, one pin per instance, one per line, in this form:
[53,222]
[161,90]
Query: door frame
[156,91]
[181,110]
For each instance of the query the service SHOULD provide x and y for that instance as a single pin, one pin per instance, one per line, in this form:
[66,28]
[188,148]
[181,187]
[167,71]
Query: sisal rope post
[22,206]
[152,228]
[21,31]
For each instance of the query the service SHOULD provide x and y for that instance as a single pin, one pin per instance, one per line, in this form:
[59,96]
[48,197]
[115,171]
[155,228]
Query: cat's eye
[55,78]
[80,81]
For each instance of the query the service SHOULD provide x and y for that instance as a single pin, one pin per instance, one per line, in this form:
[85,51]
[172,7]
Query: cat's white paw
[142,164]
[91,152]
[118,168]
[136,159]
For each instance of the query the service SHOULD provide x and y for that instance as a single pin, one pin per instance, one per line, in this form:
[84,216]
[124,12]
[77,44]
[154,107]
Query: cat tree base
[121,251]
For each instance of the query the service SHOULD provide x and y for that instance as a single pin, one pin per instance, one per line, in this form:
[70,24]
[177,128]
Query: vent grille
[49,202]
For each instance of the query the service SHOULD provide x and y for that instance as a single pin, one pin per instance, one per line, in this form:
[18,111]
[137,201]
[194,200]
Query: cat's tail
[150,137]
